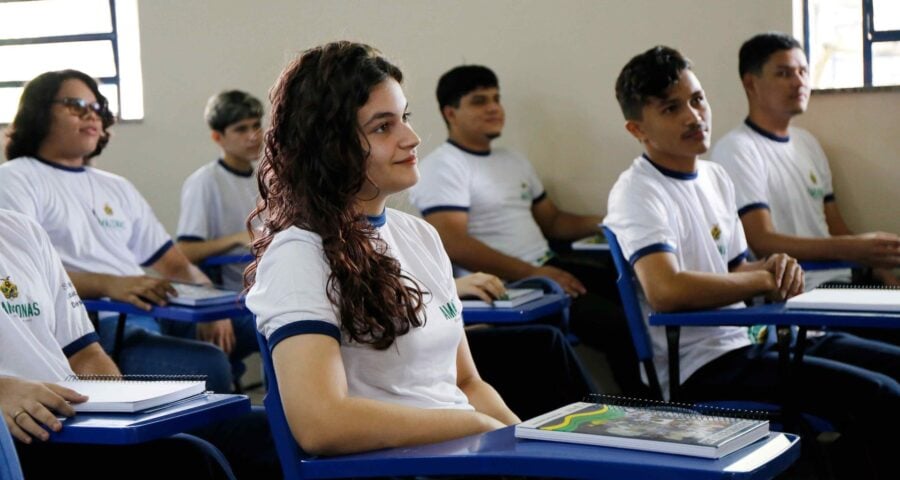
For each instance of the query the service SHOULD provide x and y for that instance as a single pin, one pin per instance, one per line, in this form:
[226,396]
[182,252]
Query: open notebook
[131,394]
[860,299]
[200,295]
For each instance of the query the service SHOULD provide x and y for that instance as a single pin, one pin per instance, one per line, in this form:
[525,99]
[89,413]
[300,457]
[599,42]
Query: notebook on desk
[132,393]
[512,298]
[852,298]
[200,295]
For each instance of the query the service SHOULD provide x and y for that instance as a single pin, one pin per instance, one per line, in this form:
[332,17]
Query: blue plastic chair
[10,469]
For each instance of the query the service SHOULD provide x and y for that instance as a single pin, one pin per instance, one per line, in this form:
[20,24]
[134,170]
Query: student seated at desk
[45,336]
[676,221]
[102,227]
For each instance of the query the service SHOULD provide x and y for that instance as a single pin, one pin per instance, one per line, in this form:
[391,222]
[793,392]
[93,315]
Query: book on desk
[645,425]
[512,298]
[848,298]
[594,242]
[192,295]
[132,393]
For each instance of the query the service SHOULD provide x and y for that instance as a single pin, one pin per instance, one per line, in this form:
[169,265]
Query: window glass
[835,43]
[886,15]
[885,63]
[50,18]
[24,62]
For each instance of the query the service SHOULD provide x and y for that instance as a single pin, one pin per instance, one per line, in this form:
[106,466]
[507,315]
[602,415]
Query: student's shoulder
[19,166]
[442,156]
[21,225]
[202,174]
[802,135]
[295,239]
[407,221]
[736,140]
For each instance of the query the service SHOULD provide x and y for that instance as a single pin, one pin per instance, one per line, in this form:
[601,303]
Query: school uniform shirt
[693,216]
[42,320]
[96,220]
[419,369]
[789,176]
[216,201]
[497,189]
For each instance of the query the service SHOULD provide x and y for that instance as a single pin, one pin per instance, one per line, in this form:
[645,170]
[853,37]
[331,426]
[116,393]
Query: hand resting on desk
[27,405]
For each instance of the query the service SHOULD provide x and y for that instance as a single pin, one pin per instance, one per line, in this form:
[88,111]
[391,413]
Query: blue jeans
[147,352]
[244,333]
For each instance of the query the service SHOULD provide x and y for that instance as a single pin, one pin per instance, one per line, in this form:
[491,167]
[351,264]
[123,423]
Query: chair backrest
[10,469]
[639,335]
[289,452]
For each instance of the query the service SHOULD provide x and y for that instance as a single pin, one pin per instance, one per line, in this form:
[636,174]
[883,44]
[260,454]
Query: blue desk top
[171,312]
[777,314]
[500,453]
[549,304]
[217,260]
[130,428]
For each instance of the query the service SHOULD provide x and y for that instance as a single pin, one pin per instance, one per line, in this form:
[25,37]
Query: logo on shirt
[525,194]
[11,292]
[109,222]
[449,310]
[813,178]
[107,209]
[716,232]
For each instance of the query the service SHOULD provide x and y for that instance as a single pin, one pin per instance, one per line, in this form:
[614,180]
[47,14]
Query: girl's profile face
[73,133]
[384,124]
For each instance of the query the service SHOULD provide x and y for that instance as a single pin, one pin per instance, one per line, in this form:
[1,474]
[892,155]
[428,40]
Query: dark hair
[461,80]
[647,75]
[32,121]
[756,52]
[313,167]
[229,107]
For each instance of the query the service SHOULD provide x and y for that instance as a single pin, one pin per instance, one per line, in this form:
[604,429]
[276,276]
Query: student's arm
[473,255]
[669,289]
[92,360]
[561,225]
[40,402]
[326,420]
[837,226]
[876,249]
[132,289]
[481,395]
[198,250]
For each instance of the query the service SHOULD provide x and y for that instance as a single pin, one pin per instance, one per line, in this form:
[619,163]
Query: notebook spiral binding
[678,410]
[857,286]
[137,378]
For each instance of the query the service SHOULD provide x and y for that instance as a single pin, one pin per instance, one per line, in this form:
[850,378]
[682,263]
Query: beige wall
[557,62]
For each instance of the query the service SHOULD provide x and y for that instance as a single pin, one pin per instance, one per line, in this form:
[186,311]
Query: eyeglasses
[81,107]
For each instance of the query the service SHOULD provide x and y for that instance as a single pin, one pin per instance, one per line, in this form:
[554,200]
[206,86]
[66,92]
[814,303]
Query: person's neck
[773,123]
[237,164]
[478,144]
[686,165]
[372,208]
[58,158]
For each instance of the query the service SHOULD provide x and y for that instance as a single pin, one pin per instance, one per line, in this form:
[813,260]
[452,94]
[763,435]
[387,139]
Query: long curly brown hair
[312,170]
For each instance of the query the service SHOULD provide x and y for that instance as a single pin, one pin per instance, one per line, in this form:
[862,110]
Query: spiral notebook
[649,425]
[849,297]
[201,295]
[132,393]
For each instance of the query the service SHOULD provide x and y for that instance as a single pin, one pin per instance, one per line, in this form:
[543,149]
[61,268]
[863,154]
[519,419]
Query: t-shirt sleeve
[747,170]
[637,215]
[287,302]
[737,247]
[193,220]
[444,185]
[822,164]
[149,240]
[535,187]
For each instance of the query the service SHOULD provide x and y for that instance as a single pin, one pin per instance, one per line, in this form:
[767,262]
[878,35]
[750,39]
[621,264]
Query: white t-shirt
[96,220]
[419,369]
[216,201]
[497,189]
[693,216]
[42,320]
[789,176]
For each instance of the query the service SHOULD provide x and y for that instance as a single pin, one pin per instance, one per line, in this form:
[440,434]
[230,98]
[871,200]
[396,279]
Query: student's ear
[748,80]
[216,136]
[449,114]
[634,128]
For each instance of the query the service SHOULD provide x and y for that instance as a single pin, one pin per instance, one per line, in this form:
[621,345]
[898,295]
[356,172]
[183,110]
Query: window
[98,37]
[852,43]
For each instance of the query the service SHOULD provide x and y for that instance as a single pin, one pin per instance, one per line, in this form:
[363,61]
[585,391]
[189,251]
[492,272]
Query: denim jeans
[244,332]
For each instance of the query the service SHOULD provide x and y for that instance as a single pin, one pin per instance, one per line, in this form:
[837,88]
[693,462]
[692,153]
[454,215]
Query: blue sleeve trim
[190,238]
[656,247]
[78,345]
[538,198]
[751,207]
[159,253]
[829,198]
[304,327]
[444,208]
[734,262]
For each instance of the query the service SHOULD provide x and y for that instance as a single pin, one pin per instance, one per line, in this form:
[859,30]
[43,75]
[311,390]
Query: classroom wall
[557,62]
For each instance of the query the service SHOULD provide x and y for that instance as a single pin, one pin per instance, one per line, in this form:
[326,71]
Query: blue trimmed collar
[771,136]
[232,170]
[56,165]
[669,172]
[378,221]
[472,152]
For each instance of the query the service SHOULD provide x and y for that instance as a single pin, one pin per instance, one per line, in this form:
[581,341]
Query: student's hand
[28,405]
[240,239]
[220,333]
[566,280]
[886,276]
[787,275]
[482,285]
[877,249]
[136,289]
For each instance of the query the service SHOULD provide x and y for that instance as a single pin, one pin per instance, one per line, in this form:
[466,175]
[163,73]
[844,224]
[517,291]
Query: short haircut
[461,80]
[229,107]
[647,75]
[756,51]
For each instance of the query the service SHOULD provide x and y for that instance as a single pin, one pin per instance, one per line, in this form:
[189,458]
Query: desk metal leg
[120,338]
[673,334]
